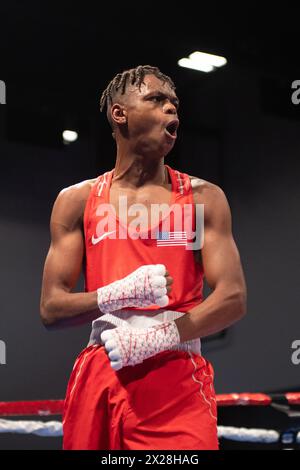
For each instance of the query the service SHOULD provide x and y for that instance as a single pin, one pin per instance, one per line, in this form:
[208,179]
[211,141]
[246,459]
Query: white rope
[54,429]
[248,435]
[49,428]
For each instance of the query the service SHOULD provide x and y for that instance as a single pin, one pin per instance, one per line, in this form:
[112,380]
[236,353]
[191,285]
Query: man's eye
[156,98]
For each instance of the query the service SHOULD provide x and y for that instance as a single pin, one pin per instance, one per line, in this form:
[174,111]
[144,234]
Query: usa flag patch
[171,239]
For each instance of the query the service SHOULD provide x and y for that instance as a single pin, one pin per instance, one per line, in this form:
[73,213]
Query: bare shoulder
[203,189]
[68,208]
[78,191]
[212,195]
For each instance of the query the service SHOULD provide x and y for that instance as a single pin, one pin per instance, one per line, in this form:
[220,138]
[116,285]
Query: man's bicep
[220,256]
[64,259]
[221,262]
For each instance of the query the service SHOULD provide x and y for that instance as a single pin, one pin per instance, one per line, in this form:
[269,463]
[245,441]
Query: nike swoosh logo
[104,235]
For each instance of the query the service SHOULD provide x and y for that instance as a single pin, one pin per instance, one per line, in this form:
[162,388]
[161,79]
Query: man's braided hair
[133,77]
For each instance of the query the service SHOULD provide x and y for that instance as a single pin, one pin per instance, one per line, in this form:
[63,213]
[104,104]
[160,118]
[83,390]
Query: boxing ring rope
[55,407]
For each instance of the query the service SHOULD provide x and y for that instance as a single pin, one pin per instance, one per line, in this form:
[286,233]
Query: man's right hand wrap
[143,287]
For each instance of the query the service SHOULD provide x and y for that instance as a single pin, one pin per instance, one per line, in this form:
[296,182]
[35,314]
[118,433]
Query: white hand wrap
[129,346]
[145,286]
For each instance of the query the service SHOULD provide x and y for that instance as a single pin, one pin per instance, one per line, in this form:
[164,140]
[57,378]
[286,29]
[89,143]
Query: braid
[133,77]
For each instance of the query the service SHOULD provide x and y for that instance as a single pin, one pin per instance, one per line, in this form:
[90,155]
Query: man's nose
[170,108]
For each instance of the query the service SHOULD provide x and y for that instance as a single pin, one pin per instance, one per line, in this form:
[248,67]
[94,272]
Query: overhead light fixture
[189,64]
[202,61]
[69,136]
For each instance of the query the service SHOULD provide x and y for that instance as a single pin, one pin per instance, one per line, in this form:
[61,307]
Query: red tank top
[108,259]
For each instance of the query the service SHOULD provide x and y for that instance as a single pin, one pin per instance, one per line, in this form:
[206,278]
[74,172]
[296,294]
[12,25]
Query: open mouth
[171,128]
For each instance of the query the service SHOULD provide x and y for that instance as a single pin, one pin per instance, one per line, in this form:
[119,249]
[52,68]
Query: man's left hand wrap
[130,346]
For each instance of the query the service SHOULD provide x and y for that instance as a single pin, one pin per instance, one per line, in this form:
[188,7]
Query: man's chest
[145,203]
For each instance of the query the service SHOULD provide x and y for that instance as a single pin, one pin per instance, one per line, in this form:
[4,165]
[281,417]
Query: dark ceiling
[61,55]
[62,45]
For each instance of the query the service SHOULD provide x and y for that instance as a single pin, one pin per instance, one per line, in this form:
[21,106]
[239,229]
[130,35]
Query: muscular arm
[60,307]
[222,270]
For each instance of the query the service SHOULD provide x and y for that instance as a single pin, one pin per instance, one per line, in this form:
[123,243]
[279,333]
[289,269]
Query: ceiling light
[69,136]
[202,61]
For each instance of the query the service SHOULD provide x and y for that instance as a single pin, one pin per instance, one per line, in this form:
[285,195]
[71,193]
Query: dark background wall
[239,130]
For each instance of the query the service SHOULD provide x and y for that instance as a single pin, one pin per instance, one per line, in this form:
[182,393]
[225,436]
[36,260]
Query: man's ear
[118,114]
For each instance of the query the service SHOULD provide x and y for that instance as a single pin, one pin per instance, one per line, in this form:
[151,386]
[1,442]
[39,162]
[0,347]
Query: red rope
[244,399]
[293,398]
[23,408]
[55,407]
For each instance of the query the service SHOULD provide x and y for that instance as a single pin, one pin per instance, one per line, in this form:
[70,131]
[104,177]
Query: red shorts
[167,402]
